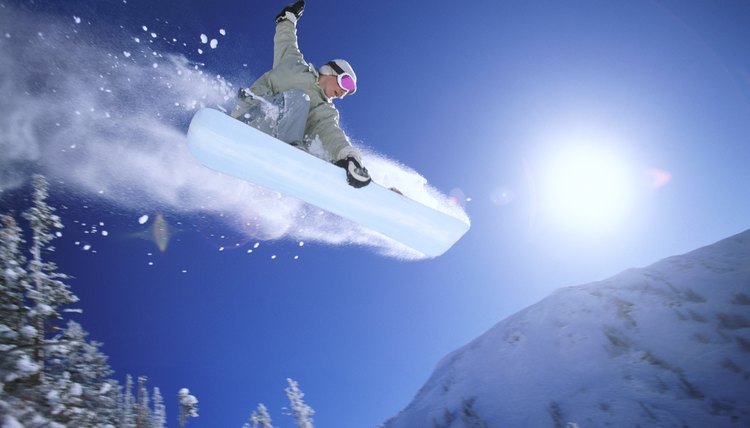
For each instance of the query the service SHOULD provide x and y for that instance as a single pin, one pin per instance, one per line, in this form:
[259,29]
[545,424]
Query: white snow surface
[667,345]
[105,115]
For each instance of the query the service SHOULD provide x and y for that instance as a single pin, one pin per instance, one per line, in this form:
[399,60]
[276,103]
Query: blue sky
[489,99]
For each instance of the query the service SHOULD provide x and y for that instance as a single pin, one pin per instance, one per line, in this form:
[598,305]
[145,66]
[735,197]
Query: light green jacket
[291,71]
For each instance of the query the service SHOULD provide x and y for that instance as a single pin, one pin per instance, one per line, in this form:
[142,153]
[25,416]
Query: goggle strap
[335,67]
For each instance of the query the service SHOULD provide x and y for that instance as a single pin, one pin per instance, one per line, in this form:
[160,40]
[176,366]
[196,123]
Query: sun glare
[586,188]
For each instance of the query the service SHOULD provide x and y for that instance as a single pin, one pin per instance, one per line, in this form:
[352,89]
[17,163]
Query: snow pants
[283,116]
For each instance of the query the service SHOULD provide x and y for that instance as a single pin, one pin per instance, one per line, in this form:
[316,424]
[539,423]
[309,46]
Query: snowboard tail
[234,148]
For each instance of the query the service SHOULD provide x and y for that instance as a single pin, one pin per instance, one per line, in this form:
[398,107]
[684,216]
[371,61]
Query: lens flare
[502,195]
[160,232]
[457,198]
[658,178]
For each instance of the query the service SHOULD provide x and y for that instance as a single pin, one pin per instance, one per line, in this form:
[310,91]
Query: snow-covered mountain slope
[667,345]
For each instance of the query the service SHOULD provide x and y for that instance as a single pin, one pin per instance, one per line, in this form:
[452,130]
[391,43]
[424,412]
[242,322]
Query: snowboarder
[294,102]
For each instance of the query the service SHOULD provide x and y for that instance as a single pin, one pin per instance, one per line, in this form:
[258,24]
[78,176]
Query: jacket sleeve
[324,123]
[285,43]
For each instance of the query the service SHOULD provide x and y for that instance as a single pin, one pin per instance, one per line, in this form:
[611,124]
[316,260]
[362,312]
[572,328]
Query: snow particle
[155,65]
[301,243]
[7,35]
[145,28]
[143,219]
[77,19]
[105,233]
[137,40]
[204,39]
[223,32]
[200,51]
[214,43]
[154,35]
[86,247]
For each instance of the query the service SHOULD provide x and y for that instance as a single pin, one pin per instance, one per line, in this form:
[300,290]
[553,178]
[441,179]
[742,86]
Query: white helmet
[341,68]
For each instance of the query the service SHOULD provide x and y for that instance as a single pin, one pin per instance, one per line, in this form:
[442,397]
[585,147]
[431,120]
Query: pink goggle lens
[347,83]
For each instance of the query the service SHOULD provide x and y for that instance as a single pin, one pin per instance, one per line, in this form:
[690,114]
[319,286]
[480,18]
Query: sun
[586,188]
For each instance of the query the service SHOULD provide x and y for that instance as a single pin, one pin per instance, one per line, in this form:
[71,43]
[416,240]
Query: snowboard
[229,146]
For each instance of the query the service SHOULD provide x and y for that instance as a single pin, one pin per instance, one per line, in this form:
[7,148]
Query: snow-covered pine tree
[49,376]
[159,418]
[17,367]
[13,280]
[134,411]
[127,405]
[301,411]
[13,309]
[78,373]
[188,406]
[34,292]
[142,407]
[259,418]
[47,291]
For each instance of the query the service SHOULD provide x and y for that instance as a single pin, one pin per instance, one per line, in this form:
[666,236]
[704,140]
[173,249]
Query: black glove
[356,175]
[296,9]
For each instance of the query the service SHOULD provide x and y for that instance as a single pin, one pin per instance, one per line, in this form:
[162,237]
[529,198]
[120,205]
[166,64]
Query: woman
[294,101]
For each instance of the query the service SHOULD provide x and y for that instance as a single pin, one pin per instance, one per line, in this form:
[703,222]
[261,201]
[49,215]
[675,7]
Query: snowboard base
[229,146]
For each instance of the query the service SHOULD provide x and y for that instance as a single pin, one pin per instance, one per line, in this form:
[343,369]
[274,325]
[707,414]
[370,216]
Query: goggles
[344,79]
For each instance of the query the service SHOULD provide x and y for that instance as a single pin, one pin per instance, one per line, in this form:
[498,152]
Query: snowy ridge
[665,345]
